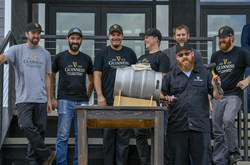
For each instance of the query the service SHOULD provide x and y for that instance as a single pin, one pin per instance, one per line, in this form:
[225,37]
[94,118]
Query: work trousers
[142,146]
[116,146]
[32,119]
[183,144]
[224,129]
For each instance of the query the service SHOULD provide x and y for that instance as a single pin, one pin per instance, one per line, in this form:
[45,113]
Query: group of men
[186,86]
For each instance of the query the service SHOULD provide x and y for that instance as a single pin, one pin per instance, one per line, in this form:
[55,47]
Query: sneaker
[234,157]
[50,159]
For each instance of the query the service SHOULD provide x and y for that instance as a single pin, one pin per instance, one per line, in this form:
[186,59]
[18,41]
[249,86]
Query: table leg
[159,138]
[82,137]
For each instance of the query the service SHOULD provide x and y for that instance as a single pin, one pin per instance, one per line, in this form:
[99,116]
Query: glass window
[216,21]
[162,22]
[132,25]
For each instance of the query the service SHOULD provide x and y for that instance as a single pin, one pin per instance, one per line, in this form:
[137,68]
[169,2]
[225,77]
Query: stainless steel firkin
[138,84]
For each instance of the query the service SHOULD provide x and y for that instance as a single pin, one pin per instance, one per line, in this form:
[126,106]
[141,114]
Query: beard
[73,48]
[34,42]
[116,46]
[186,65]
[225,46]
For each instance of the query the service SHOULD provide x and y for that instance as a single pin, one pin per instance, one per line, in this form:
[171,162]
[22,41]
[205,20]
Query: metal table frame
[122,112]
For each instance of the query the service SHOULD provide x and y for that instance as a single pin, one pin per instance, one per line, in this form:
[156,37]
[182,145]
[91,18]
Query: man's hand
[102,101]
[216,77]
[169,100]
[49,107]
[54,102]
[243,84]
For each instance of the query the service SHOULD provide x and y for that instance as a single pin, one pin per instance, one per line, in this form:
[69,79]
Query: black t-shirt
[72,75]
[158,61]
[230,67]
[107,61]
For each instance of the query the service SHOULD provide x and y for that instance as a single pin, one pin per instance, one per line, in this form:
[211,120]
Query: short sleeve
[98,63]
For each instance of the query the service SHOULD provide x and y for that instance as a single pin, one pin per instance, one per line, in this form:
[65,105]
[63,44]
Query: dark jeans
[32,119]
[142,146]
[183,144]
[116,146]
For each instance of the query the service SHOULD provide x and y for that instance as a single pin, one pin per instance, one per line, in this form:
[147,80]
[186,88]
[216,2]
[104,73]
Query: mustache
[75,44]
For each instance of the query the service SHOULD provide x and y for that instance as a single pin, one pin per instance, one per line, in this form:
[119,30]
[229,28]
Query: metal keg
[138,84]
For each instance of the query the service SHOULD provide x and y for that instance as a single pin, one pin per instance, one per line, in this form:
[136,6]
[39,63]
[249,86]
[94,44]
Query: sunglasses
[186,54]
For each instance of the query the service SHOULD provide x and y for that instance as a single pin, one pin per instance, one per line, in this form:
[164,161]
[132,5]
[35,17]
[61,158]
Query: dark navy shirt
[107,61]
[158,61]
[191,109]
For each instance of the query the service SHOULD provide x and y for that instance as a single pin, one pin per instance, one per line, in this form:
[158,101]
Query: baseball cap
[33,27]
[153,32]
[75,31]
[115,27]
[225,31]
[182,45]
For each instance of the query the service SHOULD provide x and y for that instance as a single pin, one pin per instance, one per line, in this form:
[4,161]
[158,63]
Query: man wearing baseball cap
[73,67]
[159,62]
[107,60]
[32,65]
[231,62]
[186,88]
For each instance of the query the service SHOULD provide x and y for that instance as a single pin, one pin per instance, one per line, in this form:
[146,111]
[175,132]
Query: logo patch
[36,24]
[182,44]
[33,56]
[118,58]
[225,61]
[221,31]
[74,64]
[198,79]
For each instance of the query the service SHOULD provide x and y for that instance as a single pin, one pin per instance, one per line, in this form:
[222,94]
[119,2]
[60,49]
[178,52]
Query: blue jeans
[224,129]
[65,115]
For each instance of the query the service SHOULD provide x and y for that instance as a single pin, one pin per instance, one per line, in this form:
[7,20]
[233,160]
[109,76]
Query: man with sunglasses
[187,88]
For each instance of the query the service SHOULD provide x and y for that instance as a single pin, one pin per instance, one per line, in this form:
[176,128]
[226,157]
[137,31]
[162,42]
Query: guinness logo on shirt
[118,58]
[225,61]
[33,56]
[74,64]
[118,62]
[143,60]
[33,61]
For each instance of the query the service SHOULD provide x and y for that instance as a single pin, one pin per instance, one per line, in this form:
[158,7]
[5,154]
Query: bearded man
[187,88]
[73,66]
[231,62]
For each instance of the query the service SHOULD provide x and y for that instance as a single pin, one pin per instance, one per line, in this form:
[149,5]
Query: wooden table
[122,113]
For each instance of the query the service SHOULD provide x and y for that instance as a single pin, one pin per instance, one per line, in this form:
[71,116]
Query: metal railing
[7,83]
